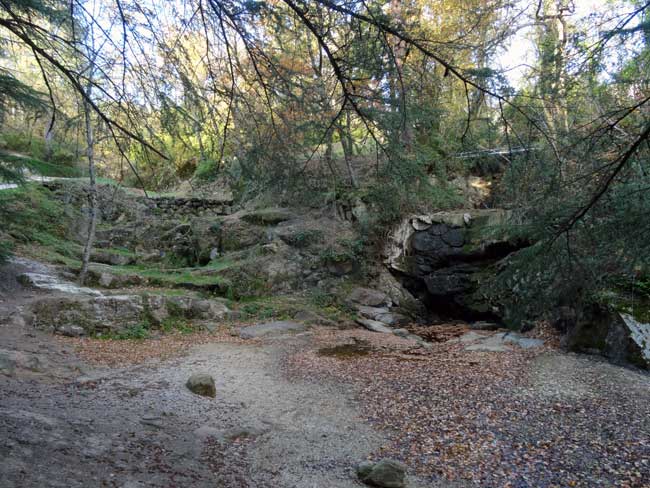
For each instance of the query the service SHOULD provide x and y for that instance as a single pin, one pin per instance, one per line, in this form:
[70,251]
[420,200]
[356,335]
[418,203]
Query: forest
[426,220]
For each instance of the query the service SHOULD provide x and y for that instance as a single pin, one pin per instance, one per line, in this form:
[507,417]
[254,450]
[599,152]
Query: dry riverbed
[300,410]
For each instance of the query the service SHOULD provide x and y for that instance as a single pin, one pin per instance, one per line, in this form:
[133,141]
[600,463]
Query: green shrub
[5,251]
[321,298]
[134,332]
[177,323]
[305,238]
[62,154]
[206,170]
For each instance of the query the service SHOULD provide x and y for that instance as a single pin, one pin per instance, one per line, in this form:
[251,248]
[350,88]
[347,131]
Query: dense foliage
[380,102]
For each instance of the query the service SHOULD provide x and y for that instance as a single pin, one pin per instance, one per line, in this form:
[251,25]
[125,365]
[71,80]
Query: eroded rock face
[447,259]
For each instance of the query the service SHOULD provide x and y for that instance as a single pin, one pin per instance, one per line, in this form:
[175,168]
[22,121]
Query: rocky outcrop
[83,314]
[111,258]
[448,260]
[375,310]
[108,280]
[94,314]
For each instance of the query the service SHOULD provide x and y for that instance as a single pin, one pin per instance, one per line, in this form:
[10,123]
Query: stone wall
[179,206]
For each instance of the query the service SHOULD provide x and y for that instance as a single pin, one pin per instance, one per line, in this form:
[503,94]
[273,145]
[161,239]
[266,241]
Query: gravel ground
[136,424]
[502,419]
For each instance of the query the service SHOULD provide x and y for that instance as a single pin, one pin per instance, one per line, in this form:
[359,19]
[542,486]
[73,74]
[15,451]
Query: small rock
[270,248]
[371,312]
[368,297]
[386,473]
[71,331]
[105,280]
[152,422]
[374,326]
[202,384]
[364,469]
[341,268]
[211,327]
[405,334]
[523,342]
[483,325]
[271,328]
[313,318]
[497,342]
[392,318]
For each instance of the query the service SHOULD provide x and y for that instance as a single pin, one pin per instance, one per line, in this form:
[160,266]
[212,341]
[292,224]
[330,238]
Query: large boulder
[13,361]
[620,337]
[226,234]
[195,308]
[105,279]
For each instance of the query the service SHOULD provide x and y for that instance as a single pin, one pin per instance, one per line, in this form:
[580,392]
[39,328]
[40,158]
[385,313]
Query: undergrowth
[31,217]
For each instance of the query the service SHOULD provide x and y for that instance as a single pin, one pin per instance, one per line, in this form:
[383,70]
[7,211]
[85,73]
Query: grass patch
[40,167]
[286,307]
[182,276]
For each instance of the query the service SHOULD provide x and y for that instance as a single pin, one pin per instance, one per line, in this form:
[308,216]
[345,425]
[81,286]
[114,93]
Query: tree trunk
[346,143]
[92,190]
[49,138]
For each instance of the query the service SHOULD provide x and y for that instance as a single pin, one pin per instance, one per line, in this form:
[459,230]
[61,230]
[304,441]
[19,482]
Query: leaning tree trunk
[92,190]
